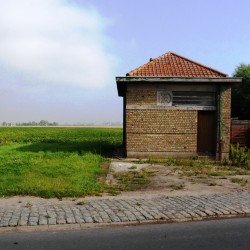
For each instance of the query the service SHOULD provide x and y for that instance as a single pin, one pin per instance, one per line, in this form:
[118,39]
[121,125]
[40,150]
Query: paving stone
[192,214]
[245,209]
[138,216]
[185,214]
[157,215]
[104,215]
[130,216]
[115,218]
[217,211]
[52,221]
[4,222]
[61,220]
[97,219]
[42,220]
[88,220]
[209,212]
[70,219]
[23,221]
[106,220]
[179,216]
[79,219]
[33,221]
[13,221]
[200,213]
[169,216]
[125,210]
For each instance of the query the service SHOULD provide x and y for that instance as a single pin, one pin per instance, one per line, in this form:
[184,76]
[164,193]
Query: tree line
[33,123]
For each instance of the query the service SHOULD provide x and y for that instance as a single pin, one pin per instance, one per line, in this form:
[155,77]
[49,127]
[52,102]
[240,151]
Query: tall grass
[240,156]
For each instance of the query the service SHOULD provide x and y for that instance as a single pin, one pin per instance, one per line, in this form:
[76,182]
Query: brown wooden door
[206,132]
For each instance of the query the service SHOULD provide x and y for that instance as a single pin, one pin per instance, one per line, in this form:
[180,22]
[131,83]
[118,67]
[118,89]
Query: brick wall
[161,121]
[161,142]
[141,96]
[152,129]
[226,121]
[240,133]
[157,130]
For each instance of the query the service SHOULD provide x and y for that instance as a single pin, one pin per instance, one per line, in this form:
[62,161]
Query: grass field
[55,162]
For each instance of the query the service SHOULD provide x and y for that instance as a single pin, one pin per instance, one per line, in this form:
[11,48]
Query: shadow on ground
[103,148]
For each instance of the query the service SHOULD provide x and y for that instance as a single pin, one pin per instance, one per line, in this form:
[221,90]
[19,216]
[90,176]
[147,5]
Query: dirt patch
[194,179]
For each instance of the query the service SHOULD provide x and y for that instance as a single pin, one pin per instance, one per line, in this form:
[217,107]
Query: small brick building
[174,106]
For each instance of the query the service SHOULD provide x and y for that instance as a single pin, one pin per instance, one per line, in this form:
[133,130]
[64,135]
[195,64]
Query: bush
[239,156]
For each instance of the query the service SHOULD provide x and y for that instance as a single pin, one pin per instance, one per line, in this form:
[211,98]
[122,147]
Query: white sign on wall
[164,98]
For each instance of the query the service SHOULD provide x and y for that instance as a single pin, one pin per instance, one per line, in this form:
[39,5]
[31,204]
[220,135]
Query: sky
[59,58]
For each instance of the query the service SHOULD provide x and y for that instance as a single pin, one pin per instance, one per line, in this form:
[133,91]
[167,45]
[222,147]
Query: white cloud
[54,42]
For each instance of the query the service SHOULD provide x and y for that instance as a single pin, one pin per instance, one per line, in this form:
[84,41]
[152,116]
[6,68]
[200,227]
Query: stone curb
[82,226]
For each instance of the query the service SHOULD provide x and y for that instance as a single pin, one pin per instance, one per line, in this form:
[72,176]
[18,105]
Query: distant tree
[4,123]
[241,93]
[43,123]
[34,123]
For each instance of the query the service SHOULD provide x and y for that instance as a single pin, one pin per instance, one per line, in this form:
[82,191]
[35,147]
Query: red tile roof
[171,64]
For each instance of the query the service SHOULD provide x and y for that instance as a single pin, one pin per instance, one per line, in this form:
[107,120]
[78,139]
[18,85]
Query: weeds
[239,156]
[177,186]
[241,181]
[211,184]
[133,167]
[132,180]
[81,203]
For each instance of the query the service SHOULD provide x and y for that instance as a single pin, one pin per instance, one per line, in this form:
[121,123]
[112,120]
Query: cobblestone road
[115,210]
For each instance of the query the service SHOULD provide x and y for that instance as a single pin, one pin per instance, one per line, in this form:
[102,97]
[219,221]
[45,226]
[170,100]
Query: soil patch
[196,179]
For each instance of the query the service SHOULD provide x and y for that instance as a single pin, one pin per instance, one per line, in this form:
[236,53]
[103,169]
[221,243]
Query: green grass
[96,140]
[132,180]
[177,186]
[241,181]
[55,162]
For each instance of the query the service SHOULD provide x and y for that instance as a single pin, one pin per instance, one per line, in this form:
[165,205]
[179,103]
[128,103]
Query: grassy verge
[55,162]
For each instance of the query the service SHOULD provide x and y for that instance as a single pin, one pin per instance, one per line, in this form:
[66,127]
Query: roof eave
[122,80]
[178,79]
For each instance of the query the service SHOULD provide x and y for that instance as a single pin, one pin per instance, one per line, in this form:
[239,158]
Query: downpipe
[220,123]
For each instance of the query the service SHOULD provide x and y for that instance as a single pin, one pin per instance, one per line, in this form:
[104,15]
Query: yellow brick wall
[161,121]
[161,142]
[141,96]
[161,130]
[165,129]
[226,119]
